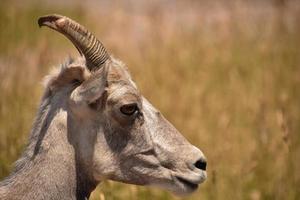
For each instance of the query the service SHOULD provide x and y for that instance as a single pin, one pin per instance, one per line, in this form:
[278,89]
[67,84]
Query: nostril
[201,164]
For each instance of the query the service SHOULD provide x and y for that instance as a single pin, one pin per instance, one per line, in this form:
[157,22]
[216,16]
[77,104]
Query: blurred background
[226,73]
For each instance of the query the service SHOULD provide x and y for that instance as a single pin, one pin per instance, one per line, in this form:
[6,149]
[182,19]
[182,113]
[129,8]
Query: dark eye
[129,109]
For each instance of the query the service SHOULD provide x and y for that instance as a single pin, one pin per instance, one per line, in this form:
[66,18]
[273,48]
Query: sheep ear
[91,92]
[73,74]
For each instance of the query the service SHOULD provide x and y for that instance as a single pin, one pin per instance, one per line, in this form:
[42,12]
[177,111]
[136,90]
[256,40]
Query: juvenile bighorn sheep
[93,124]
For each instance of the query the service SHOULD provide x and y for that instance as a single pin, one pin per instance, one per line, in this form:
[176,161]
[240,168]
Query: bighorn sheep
[93,124]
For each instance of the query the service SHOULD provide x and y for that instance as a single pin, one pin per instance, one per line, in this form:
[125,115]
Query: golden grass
[226,75]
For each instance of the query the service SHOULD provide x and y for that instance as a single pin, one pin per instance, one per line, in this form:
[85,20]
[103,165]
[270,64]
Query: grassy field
[225,73]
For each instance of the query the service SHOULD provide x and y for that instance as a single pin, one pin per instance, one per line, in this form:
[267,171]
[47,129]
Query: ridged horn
[85,42]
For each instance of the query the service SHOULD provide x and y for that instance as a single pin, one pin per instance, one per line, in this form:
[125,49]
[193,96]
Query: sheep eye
[129,109]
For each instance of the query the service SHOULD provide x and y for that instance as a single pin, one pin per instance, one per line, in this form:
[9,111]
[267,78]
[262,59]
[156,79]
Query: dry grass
[226,74]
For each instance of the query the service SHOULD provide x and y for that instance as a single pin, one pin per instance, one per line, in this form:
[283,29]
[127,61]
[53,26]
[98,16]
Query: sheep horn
[85,42]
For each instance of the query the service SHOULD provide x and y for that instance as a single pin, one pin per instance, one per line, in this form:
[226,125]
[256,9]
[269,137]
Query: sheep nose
[197,159]
[201,164]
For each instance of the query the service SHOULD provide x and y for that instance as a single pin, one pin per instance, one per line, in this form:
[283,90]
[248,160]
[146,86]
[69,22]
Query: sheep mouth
[187,183]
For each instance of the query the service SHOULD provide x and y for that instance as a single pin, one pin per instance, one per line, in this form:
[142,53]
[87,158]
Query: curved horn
[85,42]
